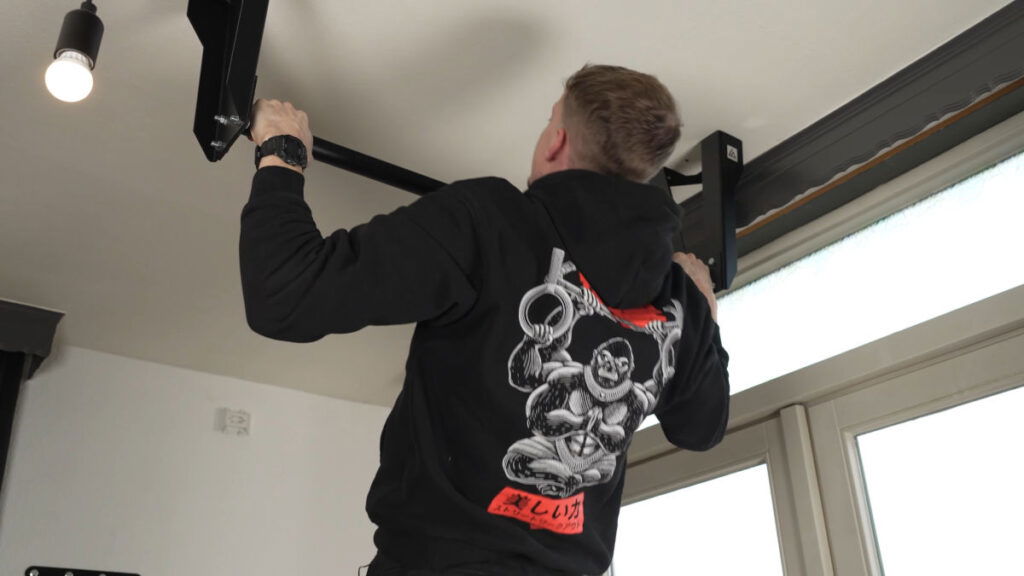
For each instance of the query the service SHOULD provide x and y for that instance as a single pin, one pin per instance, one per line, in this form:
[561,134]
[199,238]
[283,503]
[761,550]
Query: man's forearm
[276,161]
[282,257]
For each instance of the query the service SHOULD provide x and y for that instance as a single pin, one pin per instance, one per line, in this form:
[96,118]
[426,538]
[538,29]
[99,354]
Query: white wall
[116,465]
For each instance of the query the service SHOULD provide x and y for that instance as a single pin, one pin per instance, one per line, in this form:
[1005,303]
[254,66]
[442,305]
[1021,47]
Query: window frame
[775,421]
[950,378]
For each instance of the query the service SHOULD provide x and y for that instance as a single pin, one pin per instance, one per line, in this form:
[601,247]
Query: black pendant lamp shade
[81,32]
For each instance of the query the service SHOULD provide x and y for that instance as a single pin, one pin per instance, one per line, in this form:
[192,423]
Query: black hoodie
[549,324]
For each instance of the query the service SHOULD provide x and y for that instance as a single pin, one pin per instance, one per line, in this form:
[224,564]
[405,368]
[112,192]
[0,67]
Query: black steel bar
[373,168]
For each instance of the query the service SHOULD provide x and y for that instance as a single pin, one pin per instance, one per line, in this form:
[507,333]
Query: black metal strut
[373,168]
[708,219]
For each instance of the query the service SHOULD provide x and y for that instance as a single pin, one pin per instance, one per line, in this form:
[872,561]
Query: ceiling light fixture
[69,77]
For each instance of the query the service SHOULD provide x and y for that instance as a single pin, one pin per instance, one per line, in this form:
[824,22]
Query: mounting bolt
[228,120]
[218,145]
[711,261]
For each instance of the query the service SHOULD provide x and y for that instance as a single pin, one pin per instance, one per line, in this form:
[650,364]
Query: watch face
[294,149]
[295,152]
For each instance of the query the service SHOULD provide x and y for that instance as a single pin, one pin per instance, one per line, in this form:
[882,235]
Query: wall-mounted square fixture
[233,422]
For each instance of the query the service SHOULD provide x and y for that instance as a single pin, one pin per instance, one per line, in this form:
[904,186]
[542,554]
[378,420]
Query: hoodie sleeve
[694,409]
[407,266]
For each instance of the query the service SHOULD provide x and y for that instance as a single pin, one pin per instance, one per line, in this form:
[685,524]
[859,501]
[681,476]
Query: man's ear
[558,145]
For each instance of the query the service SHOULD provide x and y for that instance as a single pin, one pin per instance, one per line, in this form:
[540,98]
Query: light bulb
[69,77]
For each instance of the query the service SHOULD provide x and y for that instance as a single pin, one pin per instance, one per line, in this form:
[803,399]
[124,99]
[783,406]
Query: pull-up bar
[231,32]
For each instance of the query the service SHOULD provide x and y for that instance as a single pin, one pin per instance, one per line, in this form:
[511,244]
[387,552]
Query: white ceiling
[110,212]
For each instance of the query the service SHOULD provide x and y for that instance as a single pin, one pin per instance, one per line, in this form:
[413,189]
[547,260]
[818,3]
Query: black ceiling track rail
[955,92]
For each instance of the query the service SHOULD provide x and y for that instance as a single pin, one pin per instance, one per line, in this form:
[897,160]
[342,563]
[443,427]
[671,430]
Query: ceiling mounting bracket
[708,219]
[231,32]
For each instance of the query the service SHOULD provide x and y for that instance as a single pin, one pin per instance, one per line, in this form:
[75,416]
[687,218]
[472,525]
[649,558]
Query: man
[549,324]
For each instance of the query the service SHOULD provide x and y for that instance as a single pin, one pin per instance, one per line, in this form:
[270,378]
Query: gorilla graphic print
[582,411]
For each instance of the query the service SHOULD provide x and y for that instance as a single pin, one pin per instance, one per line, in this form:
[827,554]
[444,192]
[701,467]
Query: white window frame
[821,512]
[966,369]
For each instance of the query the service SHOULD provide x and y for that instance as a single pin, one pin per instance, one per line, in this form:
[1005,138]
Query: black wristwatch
[288,148]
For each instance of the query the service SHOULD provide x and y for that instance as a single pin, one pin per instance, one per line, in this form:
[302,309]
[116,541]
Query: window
[952,249]
[700,530]
[945,490]
[914,477]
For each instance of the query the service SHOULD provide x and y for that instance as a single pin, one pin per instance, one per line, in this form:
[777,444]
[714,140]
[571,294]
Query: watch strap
[286,147]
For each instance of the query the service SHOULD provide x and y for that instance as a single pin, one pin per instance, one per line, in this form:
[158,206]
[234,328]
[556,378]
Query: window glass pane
[943,253]
[722,526]
[947,490]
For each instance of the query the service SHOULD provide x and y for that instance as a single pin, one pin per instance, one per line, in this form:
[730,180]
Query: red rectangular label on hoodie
[563,516]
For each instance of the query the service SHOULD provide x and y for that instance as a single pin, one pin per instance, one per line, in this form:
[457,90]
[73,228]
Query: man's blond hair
[620,122]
